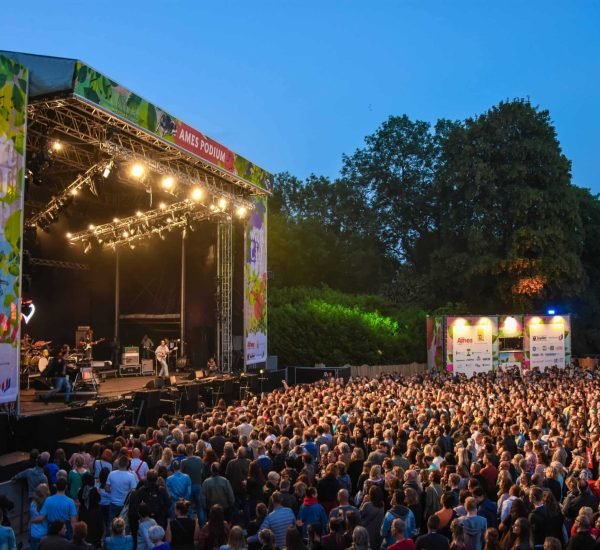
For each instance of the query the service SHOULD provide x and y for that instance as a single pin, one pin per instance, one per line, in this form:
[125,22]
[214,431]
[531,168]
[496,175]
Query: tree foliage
[480,212]
[309,325]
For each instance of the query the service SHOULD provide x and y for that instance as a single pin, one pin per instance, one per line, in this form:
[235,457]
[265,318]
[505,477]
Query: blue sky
[293,85]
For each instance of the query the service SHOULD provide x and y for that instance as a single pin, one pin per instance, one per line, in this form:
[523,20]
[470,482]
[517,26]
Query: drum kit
[36,356]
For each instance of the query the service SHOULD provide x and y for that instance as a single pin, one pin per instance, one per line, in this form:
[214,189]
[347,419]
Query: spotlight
[551,312]
[137,170]
[132,246]
[91,227]
[212,207]
[170,220]
[56,146]
[108,168]
[162,206]
[126,234]
[168,182]
[242,211]
[222,203]
[197,193]
[74,191]
[69,235]
[115,220]
[139,214]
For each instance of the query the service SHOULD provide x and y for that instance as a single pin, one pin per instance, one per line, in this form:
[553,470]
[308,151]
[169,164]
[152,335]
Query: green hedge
[308,326]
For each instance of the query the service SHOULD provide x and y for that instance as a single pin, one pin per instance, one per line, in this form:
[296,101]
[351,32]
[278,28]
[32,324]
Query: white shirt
[139,468]
[120,483]
[161,352]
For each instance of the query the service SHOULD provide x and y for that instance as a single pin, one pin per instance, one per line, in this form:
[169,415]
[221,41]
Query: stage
[112,388]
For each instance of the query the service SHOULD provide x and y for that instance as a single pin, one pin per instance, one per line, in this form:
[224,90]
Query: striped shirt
[278,521]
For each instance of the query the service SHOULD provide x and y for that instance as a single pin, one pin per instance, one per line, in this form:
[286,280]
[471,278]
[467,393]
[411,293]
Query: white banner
[472,349]
[547,345]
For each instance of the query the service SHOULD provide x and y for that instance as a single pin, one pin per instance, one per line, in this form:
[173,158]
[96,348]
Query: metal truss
[224,294]
[183,174]
[89,123]
[58,201]
[141,225]
[60,264]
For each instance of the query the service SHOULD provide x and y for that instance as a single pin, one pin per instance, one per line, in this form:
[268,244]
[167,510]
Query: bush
[309,325]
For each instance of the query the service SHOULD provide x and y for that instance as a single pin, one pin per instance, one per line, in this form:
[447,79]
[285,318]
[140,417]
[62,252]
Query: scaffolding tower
[224,294]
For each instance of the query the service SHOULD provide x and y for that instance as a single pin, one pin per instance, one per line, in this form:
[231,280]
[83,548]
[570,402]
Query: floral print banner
[255,284]
[101,90]
[13,117]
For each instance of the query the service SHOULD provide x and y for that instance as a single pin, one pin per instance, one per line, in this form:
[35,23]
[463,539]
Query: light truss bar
[58,201]
[183,177]
[60,264]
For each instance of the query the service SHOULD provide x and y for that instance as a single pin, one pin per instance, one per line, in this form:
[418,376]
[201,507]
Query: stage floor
[110,388]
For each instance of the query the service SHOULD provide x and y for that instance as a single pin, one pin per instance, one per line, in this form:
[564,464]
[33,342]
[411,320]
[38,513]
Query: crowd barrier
[16,492]
[371,371]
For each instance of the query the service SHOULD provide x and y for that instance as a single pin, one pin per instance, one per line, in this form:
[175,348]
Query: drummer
[26,342]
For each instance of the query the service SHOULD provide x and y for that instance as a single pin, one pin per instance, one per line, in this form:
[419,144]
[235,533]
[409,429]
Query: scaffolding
[224,294]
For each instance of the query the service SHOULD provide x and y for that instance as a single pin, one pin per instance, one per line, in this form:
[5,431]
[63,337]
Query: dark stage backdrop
[150,283]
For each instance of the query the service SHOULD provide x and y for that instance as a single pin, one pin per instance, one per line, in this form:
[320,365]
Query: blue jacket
[410,525]
[312,513]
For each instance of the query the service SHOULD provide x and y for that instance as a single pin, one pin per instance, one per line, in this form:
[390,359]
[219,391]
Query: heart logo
[28,316]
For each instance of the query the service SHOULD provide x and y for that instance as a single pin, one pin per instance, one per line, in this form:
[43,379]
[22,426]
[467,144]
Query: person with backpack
[154,497]
[398,510]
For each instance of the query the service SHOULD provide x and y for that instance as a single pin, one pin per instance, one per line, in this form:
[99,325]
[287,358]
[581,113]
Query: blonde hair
[236,539]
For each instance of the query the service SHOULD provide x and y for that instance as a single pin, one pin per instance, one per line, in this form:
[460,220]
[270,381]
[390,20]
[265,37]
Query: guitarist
[87,343]
[162,352]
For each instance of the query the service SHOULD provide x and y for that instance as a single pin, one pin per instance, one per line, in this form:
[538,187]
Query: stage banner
[255,284]
[101,90]
[13,119]
[547,341]
[471,344]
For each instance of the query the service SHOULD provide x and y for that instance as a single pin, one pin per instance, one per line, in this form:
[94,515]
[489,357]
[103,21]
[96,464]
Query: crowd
[431,462]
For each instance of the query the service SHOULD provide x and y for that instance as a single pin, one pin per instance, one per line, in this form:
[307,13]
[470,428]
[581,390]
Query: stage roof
[54,78]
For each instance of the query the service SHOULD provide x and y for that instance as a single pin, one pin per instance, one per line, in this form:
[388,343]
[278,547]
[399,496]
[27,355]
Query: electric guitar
[89,345]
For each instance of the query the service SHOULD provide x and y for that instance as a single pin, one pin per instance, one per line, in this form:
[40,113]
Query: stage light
[510,326]
[170,220]
[241,211]
[551,312]
[74,192]
[139,214]
[212,207]
[197,193]
[168,182]
[162,206]
[92,227]
[132,246]
[126,234]
[137,170]
[115,220]
[57,146]
[108,168]
[222,203]
[69,235]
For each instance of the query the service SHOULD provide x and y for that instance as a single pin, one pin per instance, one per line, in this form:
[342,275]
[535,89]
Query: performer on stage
[172,360]
[87,344]
[162,352]
[58,369]
[211,366]
[147,347]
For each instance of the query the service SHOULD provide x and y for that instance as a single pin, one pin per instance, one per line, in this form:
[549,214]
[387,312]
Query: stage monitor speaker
[147,366]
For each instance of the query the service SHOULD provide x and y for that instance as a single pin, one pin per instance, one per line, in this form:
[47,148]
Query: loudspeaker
[155,384]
